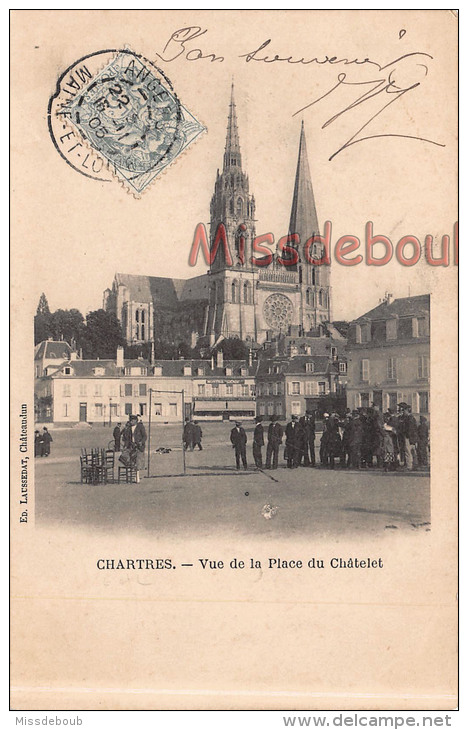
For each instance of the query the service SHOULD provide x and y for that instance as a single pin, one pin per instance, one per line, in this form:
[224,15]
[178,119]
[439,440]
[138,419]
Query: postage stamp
[130,115]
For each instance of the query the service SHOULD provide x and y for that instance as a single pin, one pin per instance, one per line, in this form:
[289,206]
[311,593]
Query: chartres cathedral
[243,300]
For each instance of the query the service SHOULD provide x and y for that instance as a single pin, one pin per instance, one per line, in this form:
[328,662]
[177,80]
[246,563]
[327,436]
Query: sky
[73,234]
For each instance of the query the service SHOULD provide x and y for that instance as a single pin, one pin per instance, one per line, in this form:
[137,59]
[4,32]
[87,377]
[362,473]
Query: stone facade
[253,303]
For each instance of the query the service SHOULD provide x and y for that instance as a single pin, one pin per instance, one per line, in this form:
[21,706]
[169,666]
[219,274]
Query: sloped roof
[295,365]
[403,307]
[175,368]
[162,291]
[53,350]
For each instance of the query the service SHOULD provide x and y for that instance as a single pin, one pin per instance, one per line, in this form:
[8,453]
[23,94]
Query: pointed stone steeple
[303,219]
[232,154]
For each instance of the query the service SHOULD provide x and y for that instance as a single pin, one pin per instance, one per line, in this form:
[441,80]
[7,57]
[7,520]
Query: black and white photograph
[234,308]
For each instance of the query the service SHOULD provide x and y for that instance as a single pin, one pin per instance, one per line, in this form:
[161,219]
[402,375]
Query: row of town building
[383,359]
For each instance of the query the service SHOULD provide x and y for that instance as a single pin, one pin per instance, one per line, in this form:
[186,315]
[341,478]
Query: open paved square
[212,498]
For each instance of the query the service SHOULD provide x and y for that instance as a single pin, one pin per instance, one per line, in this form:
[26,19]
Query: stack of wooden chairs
[97,466]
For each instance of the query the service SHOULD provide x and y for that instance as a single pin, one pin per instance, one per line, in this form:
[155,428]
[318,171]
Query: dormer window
[310,367]
[200,371]
[187,370]
[228,371]
[67,370]
[157,371]
[243,371]
[98,371]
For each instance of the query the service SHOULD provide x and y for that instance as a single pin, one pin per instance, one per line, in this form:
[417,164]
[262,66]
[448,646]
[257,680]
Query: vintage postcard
[234,365]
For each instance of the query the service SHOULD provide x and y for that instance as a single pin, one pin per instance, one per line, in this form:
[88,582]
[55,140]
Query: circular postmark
[114,111]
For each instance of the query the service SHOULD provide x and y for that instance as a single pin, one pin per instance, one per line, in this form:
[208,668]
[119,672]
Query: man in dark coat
[197,435]
[134,440]
[258,442]
[239,441]
[423,440]
[292,436]
[275,437]
[355,440]
[346,441]
[116,434]
[46,441]
[188,435]
[309,445]
[408,432]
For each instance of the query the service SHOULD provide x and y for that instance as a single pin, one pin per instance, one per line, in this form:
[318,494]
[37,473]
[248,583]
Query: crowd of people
[360,439]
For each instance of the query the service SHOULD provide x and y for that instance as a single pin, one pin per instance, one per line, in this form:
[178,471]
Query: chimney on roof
[250,357]
[219,359]
[119,360]
[212,362]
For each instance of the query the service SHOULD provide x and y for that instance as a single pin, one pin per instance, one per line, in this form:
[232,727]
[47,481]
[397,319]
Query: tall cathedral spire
[303,219]
[232,154]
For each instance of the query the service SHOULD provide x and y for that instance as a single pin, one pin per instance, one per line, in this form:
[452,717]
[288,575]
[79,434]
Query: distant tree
[42,330]
[43,306]
[67,324]
[101,335]
[132,352]
[234,349]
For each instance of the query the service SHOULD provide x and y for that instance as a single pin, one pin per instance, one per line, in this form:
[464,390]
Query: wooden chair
[107,467]
[87,472]
[128,472]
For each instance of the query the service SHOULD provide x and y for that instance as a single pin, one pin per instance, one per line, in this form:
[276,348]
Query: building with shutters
[106,392]
[389,355]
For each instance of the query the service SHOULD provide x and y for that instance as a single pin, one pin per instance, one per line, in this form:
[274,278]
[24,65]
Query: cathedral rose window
[278,310]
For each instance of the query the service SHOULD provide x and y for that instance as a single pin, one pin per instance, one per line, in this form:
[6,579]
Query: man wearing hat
[408,433]
[292,433]
[258,442]
[239,441]
[275,437]
[309,446]
[134,439]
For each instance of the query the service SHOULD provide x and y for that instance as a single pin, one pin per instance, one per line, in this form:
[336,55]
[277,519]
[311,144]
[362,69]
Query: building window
[98,409]
[296,407]
[128,409]
[364,370]
[201,389]
[364,398]
[322,388]
[244,371]
[173,410]
[67,370]
[234,297]
[365,334]
[158,409]
[391,329]
[252,391]
[343,368]
[66,392]
[128,389]
[215,387]
[295,388]
[423,366]
[142,389]
[65,410]
[261,409]
[423,402]
[83,389]
[309,387]
[246,292]
[392,368]
[97,389]
[310,367]
[392,401]
[142,409]
[245,391]
[229,389]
